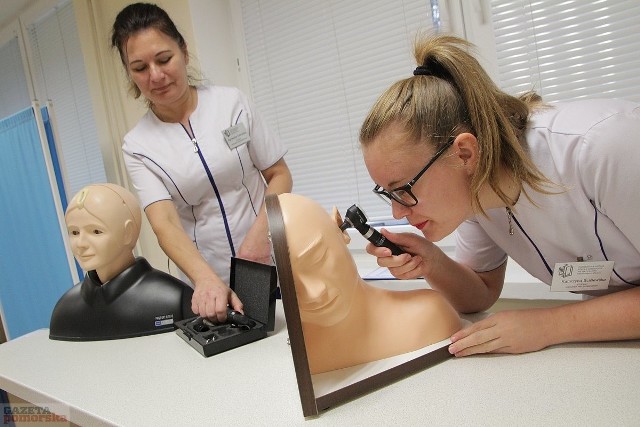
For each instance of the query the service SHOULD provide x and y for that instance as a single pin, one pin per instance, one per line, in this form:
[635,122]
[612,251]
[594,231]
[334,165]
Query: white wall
[215,44]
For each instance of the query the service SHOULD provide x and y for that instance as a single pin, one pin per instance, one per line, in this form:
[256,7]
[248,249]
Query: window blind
[60,77]
[315,70]
[569,49]
[13,85]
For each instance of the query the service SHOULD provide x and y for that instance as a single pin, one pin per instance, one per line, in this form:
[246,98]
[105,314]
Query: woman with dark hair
[551,186]
[201,160]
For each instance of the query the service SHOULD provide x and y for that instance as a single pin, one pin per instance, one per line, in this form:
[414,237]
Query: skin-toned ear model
[103,222]
[345,320]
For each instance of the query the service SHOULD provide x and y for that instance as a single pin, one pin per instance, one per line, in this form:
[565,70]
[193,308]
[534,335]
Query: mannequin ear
[466,151]
[337,218]
[130,236]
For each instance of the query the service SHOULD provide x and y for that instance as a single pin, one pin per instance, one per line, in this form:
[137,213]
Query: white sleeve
[265,148]
[475,249]
[147,184]
[610,170]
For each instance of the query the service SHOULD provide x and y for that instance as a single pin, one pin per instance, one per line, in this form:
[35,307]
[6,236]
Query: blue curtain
[34,271]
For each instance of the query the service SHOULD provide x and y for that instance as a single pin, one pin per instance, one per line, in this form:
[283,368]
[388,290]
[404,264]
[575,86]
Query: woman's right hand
[409,265]
[210,300]
[211,294]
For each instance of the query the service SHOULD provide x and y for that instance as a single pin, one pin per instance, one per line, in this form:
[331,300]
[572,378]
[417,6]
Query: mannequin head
[324,272]
[338,309]
[103,222]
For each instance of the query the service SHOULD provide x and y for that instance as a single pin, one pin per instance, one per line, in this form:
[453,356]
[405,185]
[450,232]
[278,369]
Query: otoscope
[233,317]
[357,219]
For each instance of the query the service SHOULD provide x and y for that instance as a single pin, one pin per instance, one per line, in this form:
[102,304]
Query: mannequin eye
[316,256]
[96,231]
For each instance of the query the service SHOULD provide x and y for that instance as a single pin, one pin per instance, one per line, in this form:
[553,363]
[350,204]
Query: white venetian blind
[60,75]
[569,49]
[14,94]
[315,69]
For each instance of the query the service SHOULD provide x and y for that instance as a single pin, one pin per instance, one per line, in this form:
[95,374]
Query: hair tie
[422,71]
[431,68]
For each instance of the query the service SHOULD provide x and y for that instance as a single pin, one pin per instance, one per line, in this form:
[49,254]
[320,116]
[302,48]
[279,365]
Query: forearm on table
[466,290]
[606,318]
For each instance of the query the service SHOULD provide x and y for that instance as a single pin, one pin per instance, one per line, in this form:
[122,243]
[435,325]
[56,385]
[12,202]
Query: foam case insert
[255,284]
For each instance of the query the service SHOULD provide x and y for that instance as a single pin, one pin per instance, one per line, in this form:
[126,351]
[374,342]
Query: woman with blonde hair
[547,185]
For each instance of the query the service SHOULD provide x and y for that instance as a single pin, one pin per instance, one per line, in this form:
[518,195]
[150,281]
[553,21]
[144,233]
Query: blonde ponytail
[451,93]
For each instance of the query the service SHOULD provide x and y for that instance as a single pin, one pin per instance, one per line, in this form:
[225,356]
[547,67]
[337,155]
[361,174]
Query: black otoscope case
[255,284]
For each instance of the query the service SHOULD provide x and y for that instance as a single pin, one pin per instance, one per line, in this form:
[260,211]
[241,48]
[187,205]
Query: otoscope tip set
[356,218]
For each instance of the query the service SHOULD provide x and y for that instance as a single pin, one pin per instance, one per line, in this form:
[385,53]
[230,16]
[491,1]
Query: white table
[160,380]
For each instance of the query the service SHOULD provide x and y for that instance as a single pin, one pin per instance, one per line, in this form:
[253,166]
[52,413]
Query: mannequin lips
[321,302]
[84,257]
[317,306]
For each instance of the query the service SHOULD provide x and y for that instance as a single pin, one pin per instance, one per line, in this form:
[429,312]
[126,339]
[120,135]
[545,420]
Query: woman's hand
[210,300]
[513,331]
[409,265]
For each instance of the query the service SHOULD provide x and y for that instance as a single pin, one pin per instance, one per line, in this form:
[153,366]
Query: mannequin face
[95,243]
[103,222]
[443,192]
[324,272]
[157,66]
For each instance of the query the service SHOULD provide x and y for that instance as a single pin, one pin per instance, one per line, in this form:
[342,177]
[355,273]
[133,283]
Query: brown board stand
[313,404]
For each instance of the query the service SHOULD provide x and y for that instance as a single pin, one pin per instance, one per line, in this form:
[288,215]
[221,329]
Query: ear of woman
[465,148]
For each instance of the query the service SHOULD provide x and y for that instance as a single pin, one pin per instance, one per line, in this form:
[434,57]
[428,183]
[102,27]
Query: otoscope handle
[375,237]
[238,318]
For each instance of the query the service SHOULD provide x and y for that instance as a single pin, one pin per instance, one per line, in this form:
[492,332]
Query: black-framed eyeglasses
[403,194]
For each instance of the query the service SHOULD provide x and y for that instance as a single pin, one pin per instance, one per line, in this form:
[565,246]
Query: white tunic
[217,190]
[591,147]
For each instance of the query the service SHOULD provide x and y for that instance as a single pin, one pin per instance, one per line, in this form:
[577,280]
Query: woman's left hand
[514,331]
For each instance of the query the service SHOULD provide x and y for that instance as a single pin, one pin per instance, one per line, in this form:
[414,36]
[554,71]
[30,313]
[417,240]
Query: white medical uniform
[217,190]
[592,148]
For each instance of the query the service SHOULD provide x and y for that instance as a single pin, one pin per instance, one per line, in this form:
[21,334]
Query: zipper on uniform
[194,141]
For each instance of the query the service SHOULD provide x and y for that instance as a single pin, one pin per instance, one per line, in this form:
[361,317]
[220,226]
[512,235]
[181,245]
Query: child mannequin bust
[339,310]
[121,296]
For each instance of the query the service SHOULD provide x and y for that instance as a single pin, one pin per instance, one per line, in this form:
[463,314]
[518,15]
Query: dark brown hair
[138,17]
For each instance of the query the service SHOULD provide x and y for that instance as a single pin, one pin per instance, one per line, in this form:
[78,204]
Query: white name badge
[581,276]
[235,136]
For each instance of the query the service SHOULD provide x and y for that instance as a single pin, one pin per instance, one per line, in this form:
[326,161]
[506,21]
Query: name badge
[581,276]
[236,136]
